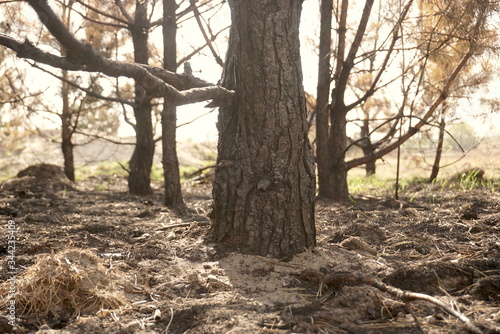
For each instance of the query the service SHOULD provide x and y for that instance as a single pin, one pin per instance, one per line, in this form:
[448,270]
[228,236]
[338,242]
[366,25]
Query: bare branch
[348,63]
[29,51]
[102,13]
[82,57]
[204,33]
[89,92]
[124,11]
[412,130]
[198,49]
[395,37]
[405,296]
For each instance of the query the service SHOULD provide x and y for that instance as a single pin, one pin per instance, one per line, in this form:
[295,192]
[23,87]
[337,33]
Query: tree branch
[348,63]
[88,91]
[81,57]
[414,129]
[204,33]
[124,11]
[405,296]
[395,36]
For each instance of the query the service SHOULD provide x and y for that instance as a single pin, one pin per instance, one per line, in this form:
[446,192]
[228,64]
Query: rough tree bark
[141,161]
[173,193]
[325,185]
[264,184]
[338,143]
[67,131]
[66,114]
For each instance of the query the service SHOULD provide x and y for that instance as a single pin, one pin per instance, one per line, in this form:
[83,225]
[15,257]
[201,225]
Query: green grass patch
[102,168]
[373,185]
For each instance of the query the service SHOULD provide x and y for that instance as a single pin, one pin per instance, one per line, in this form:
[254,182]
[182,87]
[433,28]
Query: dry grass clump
[67,284]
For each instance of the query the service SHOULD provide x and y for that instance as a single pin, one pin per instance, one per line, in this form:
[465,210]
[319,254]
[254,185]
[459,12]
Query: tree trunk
[142,158]
[173,192]
[338,136]
[367,147]
[338,145]
[67,113]
[439,151]
[67,131]
[370,167]
[323,91]
[264,184]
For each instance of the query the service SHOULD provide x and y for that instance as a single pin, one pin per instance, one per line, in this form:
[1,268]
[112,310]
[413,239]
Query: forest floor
[92,259]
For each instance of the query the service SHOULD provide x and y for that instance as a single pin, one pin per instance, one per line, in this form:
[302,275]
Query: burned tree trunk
[439,151]
[172,181]
[264,185]
[67,131]
[338,146]
[142,158]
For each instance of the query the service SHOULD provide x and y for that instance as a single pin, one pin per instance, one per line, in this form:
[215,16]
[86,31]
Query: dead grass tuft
[70,283]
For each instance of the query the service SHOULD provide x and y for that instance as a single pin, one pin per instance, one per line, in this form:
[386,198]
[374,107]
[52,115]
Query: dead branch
[81,57]
[88,91]
[204,33]
[405,296]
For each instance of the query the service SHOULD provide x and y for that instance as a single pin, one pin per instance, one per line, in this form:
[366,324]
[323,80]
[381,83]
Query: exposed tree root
[405,296]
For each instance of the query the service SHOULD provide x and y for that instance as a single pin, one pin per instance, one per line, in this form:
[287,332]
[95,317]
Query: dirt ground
[92,259]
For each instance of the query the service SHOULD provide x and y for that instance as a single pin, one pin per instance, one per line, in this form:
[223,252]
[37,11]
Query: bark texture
[141,161]
[325,185]
[338,145]
[172,182]
[264,185]
[67,131]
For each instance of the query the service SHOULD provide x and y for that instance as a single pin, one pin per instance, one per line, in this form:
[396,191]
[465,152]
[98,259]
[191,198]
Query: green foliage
[116,168]
[157,172]
[186,171]
[418,187]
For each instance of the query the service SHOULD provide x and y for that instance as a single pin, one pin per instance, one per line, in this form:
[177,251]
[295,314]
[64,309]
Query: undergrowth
[411,188]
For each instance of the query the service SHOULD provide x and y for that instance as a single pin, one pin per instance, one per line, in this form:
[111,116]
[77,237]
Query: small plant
[472,179]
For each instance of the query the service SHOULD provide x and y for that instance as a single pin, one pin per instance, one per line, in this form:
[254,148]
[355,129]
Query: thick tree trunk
[141,161]
[264,184]
[439,151]
[172,182]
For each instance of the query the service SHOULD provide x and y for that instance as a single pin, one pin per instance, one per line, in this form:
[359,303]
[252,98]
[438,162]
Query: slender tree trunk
[264,184]
[370,167]
[67,113]
[338,122]
[439,151]
[325,185]
[367,147]
[67,131]
[338,145]
[172,182]
[141,161]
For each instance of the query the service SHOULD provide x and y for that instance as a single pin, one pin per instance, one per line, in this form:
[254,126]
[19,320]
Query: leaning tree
[264,185]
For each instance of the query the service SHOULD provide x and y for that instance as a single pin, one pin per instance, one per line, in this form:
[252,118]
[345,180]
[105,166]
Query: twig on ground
[404,296]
